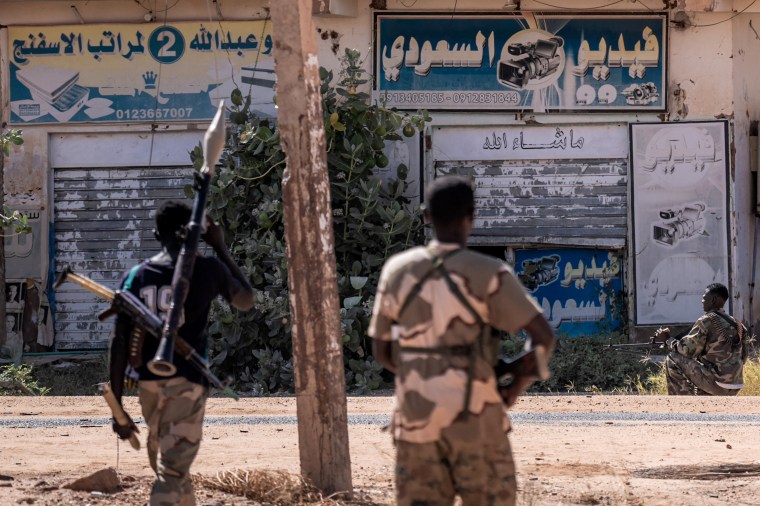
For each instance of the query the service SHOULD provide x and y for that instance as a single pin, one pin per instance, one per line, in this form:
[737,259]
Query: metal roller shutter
[547,202]
[103,221]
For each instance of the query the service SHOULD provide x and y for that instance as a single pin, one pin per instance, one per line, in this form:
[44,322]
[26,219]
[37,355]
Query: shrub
[372,220]
[73,378]
[18,379]
[587,364]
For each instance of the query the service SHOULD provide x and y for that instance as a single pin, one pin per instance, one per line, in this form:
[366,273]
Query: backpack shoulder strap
[415,291]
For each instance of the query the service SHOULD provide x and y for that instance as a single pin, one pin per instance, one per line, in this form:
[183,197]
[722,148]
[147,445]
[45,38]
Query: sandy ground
[610,460]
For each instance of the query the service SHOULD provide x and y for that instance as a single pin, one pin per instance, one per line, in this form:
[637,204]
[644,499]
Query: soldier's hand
[213,236]
[123,431]
[662,335]
[509,393]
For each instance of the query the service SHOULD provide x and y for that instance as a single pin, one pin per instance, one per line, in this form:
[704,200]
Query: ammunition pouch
[136,339]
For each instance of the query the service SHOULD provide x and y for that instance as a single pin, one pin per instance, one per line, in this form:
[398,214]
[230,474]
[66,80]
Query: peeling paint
[564,202]
[103,226]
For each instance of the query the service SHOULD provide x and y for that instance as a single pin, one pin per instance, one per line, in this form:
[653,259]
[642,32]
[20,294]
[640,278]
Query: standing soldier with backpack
[432,326]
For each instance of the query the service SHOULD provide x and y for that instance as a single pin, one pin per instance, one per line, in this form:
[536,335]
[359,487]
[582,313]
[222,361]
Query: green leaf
[236,97]
[350,302]
[335,122]
[358,282]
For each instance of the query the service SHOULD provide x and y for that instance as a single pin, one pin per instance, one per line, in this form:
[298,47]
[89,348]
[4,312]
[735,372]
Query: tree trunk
[317,336]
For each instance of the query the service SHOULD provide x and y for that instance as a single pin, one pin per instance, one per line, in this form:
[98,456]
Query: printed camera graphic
[641,94]
[530,61]
[679,224]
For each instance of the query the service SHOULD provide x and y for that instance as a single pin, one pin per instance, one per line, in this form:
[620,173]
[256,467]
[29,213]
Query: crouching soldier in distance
[709,360]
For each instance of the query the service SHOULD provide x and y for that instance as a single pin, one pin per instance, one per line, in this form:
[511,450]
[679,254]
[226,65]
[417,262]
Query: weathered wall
[746,75]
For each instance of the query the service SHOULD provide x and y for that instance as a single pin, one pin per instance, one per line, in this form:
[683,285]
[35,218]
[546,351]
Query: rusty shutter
[580,202]
[103,222]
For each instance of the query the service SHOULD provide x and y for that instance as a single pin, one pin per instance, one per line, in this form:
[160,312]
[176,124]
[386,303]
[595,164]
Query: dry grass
[656,384]
[278,488]
[751,377]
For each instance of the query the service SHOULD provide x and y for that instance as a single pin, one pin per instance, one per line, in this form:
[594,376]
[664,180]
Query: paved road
[520,418]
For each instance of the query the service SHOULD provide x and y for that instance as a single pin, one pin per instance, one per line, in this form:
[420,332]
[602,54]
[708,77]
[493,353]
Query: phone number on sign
[160,113]
[487,98]
[433,98]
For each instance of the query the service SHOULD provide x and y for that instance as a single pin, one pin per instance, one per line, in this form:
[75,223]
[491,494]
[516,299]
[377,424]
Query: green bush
[588,364]
[18,379]
[372,220]
[73,378]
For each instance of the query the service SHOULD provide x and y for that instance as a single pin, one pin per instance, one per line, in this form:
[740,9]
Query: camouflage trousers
[472,459]
[686,376]
[173,410]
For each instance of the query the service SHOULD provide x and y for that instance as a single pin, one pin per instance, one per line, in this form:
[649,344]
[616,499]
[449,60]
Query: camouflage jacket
[430,387]
[717,344]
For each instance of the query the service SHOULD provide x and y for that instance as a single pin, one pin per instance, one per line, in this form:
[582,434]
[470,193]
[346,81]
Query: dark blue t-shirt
[151,281]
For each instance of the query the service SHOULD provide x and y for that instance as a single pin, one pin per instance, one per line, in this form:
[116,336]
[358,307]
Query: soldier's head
[171,219]
[715,296]
[449,205]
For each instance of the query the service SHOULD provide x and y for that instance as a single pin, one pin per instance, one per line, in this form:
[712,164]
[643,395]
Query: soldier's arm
[540,334]
[241,293]
[382,351]
[119,355]
[693,344]
[380,325]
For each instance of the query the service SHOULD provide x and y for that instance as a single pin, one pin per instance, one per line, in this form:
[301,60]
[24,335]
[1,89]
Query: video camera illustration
[640,94]
[530,61]
[679,224]
[539,272]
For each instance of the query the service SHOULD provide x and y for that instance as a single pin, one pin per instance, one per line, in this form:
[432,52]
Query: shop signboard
[515,62]
[128,73]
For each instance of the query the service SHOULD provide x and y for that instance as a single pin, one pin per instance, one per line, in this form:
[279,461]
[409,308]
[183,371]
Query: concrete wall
[746,75]
[713,72]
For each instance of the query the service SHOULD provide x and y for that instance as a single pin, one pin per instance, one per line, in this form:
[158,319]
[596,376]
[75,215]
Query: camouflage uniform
[173,407]
[173,410]
[443,450]
[709,360]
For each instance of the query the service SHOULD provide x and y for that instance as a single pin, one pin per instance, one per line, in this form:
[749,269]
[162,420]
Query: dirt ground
[610,460]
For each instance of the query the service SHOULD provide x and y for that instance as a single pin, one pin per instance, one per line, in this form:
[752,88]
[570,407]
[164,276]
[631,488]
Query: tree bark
[312,281]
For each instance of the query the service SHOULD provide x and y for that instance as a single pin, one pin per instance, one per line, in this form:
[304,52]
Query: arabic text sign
[481,62]
[577,288]
[573,141]
[132,73]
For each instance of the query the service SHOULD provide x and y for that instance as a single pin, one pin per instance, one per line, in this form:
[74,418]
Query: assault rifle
[126,303]
[652,346]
